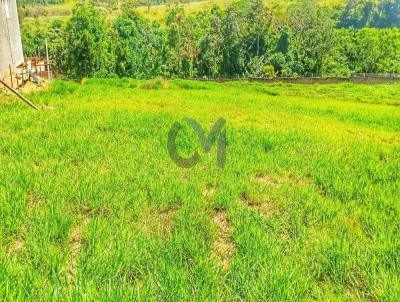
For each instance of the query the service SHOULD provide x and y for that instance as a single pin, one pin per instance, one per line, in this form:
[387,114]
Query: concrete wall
[10,37]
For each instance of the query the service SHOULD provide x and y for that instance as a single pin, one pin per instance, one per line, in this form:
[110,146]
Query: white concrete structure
[10,37]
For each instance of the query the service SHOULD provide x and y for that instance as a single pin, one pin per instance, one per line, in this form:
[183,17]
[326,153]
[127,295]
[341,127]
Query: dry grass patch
[279,180]
[354,227]
[159,223]
[15,247]
[303,181]
[90,212]
[76,244]
[223,248]
[264,207]
[209,191]
[30,87]
[33,199]
[268,180]
[185,176]
[48,107]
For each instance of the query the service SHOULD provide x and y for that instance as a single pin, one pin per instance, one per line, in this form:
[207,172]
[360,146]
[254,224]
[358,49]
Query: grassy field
[48,13]
[159,12]
[306,208]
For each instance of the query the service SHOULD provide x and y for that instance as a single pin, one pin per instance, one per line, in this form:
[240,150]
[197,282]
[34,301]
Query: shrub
[269,72]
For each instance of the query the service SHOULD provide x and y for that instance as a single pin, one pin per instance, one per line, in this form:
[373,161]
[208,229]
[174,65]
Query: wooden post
[47,62]
[11,77]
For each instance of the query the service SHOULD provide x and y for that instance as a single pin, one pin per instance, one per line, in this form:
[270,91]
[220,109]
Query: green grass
[306,208]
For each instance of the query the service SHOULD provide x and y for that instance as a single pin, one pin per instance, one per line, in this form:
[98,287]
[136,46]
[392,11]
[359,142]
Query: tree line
[246,39]
[368,13]
[356,13]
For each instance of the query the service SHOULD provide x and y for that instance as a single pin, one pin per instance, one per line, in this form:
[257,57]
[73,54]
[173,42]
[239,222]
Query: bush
[269,72]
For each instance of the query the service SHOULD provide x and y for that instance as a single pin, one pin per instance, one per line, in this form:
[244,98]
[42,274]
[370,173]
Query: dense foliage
[361,13]
[246,39]
[139,47]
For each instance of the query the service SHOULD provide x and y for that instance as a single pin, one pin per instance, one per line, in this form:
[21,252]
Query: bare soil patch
[15,247]
[268,180]
[159,223]
[277,181]
[223,248]
[263,207]
[76,244]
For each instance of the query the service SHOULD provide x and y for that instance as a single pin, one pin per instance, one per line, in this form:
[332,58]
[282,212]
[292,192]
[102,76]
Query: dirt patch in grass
[90,212]
[268,180]
[223,248]
[33,199]
[277,181]
[15,247]
[159,223]
[300,181]
[76,243]
[209,191]
[264,207]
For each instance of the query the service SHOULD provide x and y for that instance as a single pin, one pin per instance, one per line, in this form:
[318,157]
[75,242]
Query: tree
[211,47]
[246,29]
[375,51]
[369,13]
[88,48]
[184,35]
[357,13]
[311,37]
[139,47]
[34,40]
[387,14]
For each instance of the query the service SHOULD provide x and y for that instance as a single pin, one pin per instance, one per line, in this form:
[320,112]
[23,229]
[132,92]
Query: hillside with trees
[247,39]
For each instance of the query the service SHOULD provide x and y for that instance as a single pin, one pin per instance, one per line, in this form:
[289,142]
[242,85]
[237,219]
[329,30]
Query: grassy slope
[307,206]
[160,11]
